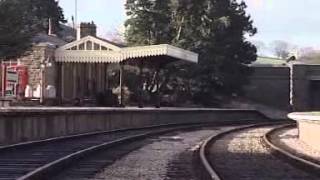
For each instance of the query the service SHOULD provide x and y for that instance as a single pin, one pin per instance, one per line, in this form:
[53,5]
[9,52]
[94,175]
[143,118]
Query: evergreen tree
[149,22]
[187,22]
[44,10]
[219,28]
[161,26]
[215,29]
[21,20]
[16,28]
[224,51]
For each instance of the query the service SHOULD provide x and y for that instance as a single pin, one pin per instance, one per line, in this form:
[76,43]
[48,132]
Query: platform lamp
[43,65]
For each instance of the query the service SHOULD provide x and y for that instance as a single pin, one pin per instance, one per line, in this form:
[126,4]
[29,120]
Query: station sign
[12,76]
[12,80]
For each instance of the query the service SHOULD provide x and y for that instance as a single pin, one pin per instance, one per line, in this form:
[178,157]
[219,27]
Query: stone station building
[79,69]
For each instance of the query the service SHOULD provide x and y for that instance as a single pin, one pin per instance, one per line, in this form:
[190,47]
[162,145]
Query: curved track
[242,154]
[37,160]
[167,156]
[298,159]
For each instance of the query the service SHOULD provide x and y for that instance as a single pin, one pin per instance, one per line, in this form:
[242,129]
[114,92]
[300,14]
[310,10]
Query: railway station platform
[21,124]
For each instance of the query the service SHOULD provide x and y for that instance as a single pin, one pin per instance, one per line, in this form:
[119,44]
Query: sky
[108,15]
[294,21]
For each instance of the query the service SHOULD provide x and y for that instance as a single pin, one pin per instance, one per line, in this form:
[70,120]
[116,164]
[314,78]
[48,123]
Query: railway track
[242,154]
[168,156]
[42,159]
[301,160]
[39,160]
[81,156]
[126,161]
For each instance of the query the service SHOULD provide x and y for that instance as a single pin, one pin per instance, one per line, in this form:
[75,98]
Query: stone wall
[50,76]
[33,60]
[28,124]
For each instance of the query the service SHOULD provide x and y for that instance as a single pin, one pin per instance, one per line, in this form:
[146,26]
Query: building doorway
[314,95]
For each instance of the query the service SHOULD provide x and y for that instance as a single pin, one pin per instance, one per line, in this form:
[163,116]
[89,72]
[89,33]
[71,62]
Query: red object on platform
[23,78]
[21,71]
[3,79]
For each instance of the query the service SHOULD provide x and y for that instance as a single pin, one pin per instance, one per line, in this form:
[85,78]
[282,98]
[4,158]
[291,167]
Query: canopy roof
[95,50]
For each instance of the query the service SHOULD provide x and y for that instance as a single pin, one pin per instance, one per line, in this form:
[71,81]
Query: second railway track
[241,154]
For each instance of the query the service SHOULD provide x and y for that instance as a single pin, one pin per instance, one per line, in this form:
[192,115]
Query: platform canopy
[95,50]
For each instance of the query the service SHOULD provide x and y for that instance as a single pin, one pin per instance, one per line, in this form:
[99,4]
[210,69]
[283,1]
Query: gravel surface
[241,156]
[167,157]
[288,139]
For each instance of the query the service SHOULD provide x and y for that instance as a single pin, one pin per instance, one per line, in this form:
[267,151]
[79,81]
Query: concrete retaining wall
[306,96]
[28,124]
[270,86]
[308,127]
[309,133]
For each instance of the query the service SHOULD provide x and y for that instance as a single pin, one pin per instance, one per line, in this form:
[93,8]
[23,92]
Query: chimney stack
[86,29]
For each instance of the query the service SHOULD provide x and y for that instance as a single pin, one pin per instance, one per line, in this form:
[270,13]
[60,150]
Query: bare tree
[310,55]
[116,35]
[281,49]
[306,51]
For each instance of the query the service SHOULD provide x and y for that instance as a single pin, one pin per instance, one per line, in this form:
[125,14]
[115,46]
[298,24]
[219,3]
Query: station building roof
[91,49]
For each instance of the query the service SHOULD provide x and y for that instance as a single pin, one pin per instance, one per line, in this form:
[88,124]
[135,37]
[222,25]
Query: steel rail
[74,148]
[50,168]
[205,146]
[70,137]
[292,158]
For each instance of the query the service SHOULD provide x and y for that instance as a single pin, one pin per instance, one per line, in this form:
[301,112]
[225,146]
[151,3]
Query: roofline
[271,58]
[94,56]
[71,44]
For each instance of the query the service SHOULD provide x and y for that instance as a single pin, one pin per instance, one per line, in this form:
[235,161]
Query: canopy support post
[158,98]
[90,81]
[62,81]
[106,78]
[121,85]
[140,84]
[75,79]
[59,81]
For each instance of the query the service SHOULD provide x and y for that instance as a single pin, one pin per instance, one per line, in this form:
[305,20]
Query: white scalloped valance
[71,53]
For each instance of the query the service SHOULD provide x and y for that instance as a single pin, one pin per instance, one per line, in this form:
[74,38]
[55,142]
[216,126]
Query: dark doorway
[314,95]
